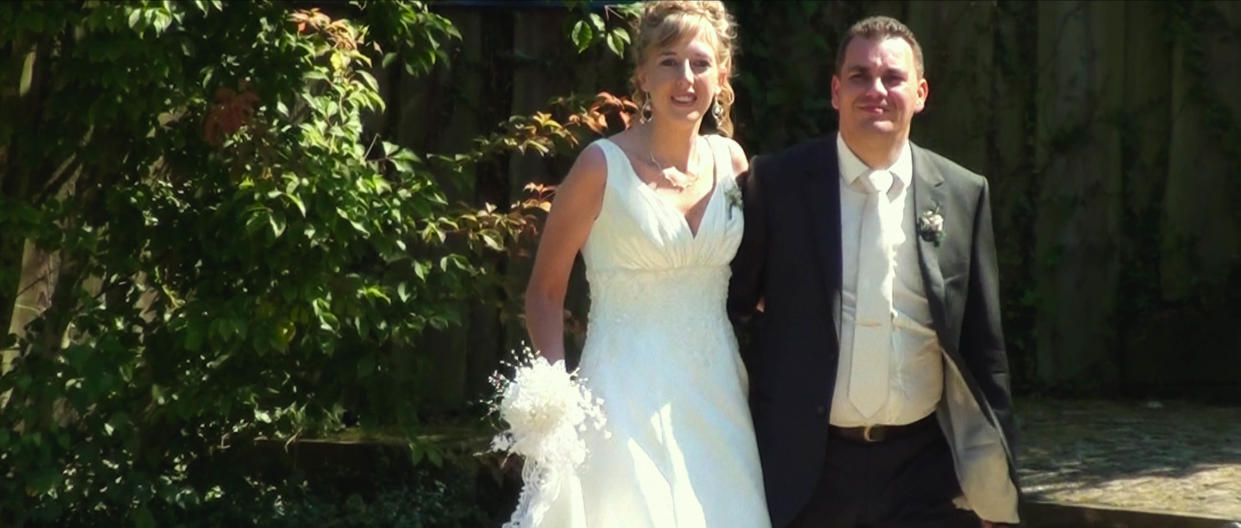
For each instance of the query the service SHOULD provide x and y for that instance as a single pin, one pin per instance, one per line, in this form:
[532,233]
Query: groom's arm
[745,289]
[982,337]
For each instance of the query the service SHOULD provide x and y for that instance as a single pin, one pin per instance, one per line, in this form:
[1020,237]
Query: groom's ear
[835,93]
[923,91]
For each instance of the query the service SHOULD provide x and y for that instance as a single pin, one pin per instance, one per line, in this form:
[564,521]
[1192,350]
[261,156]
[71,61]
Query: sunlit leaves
[240,240]
[239,253]
[422,39]
[593,28]
[617,40]
[582,35]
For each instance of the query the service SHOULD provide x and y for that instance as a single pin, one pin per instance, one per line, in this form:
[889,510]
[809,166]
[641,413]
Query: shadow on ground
[1166,457]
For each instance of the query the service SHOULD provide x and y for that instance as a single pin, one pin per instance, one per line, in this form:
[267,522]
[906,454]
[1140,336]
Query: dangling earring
[646,111]
[717,110]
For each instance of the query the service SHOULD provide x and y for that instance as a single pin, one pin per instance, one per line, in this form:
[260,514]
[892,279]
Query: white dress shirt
[916,375]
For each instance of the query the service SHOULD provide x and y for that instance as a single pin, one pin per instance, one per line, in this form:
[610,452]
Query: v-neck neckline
[715,183]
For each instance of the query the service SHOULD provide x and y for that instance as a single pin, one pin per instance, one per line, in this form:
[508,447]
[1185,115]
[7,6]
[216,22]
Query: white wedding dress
[677,449]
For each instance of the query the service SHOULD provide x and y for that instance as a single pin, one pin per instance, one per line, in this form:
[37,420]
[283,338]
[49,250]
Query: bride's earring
[646,111]
[717,110]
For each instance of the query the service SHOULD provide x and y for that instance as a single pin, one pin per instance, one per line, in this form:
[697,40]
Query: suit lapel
[823,206]
[928,193]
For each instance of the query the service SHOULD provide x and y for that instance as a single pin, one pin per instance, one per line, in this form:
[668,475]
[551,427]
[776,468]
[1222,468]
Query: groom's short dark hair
[880,27]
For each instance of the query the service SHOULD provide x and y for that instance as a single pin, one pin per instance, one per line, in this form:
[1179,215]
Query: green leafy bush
[422,503]
[235,256]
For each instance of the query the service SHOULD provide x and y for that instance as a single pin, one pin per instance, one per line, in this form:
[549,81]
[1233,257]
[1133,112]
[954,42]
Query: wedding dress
[677,449]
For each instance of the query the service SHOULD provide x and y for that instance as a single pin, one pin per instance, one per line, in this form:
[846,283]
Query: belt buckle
[866,434]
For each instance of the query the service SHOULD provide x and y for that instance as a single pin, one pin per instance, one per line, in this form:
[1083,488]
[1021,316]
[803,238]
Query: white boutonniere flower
[931,225]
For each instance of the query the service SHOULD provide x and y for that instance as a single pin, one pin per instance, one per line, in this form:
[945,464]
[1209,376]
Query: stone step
[1039,514]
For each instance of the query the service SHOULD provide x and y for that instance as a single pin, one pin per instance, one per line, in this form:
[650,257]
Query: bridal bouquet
[546,409]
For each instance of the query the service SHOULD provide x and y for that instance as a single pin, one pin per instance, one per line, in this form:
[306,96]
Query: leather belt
[873,434]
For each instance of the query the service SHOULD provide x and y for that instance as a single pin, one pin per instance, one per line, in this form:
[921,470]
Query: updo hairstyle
[666,23]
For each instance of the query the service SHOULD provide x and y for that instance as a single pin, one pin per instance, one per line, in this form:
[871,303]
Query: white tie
[872,321]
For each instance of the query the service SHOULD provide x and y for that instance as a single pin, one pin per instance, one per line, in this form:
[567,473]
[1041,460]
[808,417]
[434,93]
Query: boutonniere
[931,225]
[733,195]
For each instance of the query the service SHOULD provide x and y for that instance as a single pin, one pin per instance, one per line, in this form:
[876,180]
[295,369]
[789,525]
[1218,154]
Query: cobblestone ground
[1155,456]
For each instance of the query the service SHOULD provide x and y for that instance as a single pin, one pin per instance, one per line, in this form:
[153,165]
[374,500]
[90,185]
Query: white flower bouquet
[547,410]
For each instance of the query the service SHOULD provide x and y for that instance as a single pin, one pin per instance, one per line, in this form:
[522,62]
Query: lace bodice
[644,265]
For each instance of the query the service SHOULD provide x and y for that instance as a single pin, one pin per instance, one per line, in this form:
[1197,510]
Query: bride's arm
[578,200]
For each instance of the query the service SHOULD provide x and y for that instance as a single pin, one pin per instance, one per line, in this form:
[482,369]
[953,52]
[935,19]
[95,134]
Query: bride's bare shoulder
[627,140]
[591,166]
[736,154]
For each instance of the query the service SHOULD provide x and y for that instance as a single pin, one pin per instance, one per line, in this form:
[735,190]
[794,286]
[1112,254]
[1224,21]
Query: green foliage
[1190,26]
[425,502]
[238,257]
[417,36]
[783,78]
[593,28]
[447,501]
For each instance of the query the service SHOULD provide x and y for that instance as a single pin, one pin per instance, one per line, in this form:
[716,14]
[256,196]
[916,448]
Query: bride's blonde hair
[666,23]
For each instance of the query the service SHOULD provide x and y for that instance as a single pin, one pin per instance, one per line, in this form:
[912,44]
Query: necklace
[679,184]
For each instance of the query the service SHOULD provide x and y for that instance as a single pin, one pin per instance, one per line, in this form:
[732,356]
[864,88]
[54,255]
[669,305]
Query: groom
[879,382]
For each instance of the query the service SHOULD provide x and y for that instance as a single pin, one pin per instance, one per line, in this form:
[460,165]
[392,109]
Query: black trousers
[905,482]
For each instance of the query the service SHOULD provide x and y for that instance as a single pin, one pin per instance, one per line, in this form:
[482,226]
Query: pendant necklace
[690,177]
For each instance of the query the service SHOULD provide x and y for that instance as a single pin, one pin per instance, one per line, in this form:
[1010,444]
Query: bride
[656,214]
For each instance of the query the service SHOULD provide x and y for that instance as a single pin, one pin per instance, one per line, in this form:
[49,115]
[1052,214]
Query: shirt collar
[851,167]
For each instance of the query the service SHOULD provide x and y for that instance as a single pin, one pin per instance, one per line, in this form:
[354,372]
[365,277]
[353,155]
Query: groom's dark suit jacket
[790,258]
